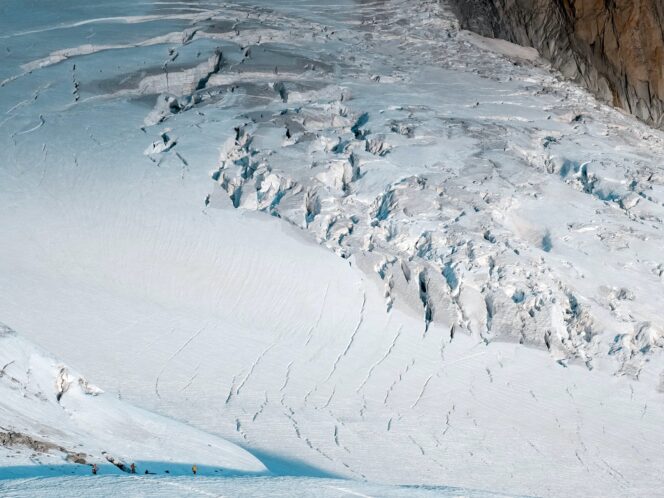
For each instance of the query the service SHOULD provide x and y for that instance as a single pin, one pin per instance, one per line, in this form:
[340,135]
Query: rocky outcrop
[614,47]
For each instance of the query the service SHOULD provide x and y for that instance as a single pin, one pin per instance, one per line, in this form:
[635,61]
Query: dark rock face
[614,47]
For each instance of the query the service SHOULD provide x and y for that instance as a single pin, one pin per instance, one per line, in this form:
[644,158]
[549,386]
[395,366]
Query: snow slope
[52,421]
[348,238]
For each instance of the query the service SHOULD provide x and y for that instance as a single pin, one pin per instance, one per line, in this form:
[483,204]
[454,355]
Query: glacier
[374,251]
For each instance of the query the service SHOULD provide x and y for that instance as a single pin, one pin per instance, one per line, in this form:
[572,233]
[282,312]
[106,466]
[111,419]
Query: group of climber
[132,469]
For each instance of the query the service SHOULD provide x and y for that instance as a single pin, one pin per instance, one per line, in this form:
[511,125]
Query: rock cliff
[614,47]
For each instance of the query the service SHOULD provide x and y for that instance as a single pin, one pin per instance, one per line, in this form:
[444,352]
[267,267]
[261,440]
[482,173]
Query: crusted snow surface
[351,238]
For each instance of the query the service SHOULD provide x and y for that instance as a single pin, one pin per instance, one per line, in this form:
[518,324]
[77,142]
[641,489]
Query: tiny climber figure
[94,469]
[194,469]
[132,468]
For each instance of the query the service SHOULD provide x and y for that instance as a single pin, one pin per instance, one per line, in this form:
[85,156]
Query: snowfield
[352,240]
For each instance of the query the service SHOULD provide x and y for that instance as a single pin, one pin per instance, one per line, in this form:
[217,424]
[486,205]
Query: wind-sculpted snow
[350,238]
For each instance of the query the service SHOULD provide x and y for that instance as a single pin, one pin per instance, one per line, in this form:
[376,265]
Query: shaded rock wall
[614,47]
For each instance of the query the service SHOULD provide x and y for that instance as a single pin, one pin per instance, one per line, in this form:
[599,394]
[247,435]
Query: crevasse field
[318,250]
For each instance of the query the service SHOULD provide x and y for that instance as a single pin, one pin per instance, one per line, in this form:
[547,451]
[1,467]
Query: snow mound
[52,420]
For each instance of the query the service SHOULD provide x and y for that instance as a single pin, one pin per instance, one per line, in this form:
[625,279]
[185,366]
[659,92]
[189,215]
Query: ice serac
[615,48]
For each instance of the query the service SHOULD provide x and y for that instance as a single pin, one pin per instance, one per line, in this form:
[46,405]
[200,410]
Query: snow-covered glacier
[382,255]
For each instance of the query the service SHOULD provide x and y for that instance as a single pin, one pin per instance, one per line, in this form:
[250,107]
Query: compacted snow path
[350,238]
